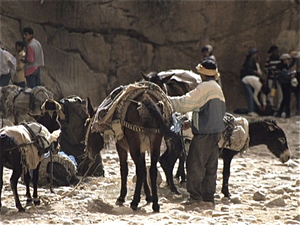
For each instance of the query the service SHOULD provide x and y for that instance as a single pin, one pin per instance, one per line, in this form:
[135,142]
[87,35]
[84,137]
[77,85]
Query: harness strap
[139,128]
[36,139]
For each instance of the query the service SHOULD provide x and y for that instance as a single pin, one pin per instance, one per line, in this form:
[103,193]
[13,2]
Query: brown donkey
[144,124]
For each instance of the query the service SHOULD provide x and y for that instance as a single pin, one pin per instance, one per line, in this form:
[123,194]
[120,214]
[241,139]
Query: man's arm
[29,58]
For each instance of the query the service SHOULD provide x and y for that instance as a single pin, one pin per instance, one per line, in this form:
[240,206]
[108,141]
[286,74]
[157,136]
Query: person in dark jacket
[284,78]
[271,70]
[207,103]
[251,66]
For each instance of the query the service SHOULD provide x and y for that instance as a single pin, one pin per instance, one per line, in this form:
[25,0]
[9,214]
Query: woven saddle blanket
[106,117]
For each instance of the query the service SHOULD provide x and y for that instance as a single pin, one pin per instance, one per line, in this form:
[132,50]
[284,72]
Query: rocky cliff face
[91,47]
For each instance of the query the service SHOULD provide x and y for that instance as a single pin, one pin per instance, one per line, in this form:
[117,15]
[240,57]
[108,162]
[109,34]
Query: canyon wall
[91,47]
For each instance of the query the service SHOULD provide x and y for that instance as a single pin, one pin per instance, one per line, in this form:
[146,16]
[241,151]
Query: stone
[114,47]
[258,196]
[279,202]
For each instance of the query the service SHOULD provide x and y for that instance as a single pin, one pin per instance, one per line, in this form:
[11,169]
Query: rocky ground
[264,191]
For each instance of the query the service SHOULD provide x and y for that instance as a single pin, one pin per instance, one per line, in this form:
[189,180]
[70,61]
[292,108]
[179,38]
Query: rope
[47,201]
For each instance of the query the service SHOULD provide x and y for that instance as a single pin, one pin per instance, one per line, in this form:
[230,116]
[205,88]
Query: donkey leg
[168,160]
[180,171]
[227,156]
[35,180]
[1,169]
[140,164]
[124,173]
[1,179]
[17,171]
[153,177]
[147,190]
[27,182]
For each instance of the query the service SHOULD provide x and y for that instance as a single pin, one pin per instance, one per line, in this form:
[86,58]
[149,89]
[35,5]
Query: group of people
[281,79]
[22,68]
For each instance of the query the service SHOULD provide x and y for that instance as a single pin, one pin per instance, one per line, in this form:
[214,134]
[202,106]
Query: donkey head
[277,142]
[94,141]
[155,78]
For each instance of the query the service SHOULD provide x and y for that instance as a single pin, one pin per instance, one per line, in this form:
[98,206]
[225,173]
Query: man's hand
[186,125]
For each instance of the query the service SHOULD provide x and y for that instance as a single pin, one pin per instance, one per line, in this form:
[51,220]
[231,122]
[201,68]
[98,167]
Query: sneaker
[207,205]
[191,201]
[252,114]
[277,114]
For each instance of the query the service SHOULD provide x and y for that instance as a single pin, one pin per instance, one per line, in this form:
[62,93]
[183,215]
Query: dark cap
[272,49]
[252,51]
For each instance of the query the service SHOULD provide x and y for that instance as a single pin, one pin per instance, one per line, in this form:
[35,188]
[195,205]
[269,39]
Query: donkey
[21,149]
[261,132]
[70,114]
[265,132]
[144,119]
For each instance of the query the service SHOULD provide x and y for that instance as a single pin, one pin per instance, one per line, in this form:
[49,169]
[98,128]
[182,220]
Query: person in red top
[34,59]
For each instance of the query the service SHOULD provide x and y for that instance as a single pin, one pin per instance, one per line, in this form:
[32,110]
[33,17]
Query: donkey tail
[154,110]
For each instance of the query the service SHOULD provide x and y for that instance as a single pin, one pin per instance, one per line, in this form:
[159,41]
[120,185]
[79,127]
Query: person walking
[207,103]
[34,59]
[19,77]
[7,67]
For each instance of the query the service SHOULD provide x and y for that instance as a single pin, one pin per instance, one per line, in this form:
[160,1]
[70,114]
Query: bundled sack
[236,135]
[64,170]
[31,148]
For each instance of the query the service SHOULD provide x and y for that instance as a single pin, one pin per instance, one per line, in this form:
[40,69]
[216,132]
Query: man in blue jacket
[207,103]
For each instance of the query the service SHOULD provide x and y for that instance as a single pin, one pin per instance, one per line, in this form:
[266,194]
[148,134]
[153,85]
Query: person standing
[7,67]
[284,78]
[207,103]
[19,77]
[271,70]
[34,59]
[207,53]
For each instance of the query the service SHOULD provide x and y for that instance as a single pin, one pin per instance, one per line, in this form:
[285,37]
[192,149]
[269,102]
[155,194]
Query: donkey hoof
[21,209]
[149,199]
[29,201]
[37,202]
[119,203]
[174,190]
[155,207]
[133,206]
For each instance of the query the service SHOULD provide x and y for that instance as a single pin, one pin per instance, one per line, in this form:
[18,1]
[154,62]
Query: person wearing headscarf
[207,102]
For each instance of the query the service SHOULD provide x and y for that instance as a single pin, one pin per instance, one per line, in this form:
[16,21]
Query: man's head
[28,33]
[273,50]
[19,46]
[285,58]
[208,69]
[253,52]
[205,52]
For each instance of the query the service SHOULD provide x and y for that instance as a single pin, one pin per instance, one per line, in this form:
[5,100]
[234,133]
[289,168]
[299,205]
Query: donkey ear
[167,78]
[90,108]
[271,126]
[144,76]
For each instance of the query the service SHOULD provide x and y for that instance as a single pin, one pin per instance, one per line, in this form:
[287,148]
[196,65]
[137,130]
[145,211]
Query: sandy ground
[264,191]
